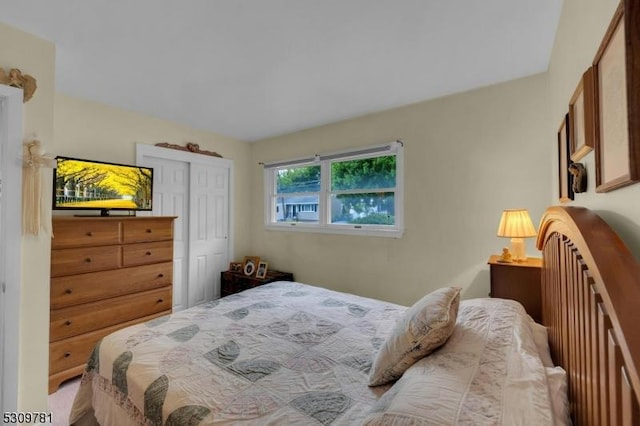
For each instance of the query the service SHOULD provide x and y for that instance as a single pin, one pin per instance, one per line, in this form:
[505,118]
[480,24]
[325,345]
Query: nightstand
[520,281]
[234,282]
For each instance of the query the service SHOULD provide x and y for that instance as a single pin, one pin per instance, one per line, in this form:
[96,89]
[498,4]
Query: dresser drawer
[144,253]
[72,352]
[83,288]
[82,260]
[75,320]
[78,233]
[141,230]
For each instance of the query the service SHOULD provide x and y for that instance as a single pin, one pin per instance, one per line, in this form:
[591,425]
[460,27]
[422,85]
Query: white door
[170,198]
[209,224]
[200,185]
[10,242]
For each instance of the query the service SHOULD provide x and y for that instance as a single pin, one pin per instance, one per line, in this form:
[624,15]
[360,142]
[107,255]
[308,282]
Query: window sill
[339,230]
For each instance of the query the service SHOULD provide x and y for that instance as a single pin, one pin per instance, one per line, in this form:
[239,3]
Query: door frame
[10,241]
[144,150]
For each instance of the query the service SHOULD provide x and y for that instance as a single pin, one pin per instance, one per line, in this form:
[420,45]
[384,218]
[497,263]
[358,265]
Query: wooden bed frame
[591,308]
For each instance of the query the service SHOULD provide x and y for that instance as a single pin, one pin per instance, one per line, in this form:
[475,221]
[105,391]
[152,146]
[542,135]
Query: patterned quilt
[284,354]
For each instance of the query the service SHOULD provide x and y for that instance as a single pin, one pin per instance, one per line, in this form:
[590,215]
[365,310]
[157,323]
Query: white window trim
[323,226]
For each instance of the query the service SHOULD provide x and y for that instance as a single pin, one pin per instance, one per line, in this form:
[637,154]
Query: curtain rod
[391,146]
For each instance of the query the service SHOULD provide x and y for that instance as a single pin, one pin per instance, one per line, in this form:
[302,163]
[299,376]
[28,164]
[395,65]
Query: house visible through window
[351,192]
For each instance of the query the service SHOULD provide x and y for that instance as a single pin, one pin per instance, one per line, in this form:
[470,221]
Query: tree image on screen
[87,185]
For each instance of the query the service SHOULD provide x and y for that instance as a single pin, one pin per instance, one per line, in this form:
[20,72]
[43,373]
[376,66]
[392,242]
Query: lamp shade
[516,223]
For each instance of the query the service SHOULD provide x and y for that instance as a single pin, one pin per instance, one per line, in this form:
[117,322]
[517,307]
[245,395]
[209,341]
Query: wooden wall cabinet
[106,273]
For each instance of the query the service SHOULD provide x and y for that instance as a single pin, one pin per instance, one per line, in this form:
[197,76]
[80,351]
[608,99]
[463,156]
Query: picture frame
[250,265]
[581,117]
[565,191]
[236,266]
[262,270]
[617,101]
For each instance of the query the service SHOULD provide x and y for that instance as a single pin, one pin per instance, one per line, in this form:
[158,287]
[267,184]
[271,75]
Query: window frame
[324,195]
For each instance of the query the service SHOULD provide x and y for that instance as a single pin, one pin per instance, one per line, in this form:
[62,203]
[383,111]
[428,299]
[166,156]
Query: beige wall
[90,130]
[582,27]
[35,57]
[467,157]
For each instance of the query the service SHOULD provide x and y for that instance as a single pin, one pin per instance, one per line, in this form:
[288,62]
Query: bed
[591,295]
[291,353]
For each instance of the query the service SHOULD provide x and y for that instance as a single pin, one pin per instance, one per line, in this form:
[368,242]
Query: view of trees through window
[362,191]
[298,191]
[352,198]
[299,179]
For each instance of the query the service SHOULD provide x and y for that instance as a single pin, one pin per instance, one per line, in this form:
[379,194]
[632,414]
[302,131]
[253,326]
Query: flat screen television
[96,185]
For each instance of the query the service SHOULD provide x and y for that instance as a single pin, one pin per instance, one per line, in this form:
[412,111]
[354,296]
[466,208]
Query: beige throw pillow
[423,328]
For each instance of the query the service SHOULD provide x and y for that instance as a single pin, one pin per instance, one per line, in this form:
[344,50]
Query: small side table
[234,282]
[520,281]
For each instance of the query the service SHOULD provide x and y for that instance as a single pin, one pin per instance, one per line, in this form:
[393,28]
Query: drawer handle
[160,275]
[67,322]
[68,291]
[148,231]
[88,260]
[67,354]
[89,234]
[160,301]
[148,253]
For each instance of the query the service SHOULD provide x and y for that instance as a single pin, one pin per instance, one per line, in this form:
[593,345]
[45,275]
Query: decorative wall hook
[15,78]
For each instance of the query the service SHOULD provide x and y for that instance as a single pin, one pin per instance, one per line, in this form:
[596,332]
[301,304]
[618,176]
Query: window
[353,192]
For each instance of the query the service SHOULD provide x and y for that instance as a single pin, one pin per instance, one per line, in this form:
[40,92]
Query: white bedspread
[488,373]
[289,353]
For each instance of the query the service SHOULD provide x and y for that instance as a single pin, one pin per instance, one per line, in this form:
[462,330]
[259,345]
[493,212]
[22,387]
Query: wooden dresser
[106,273]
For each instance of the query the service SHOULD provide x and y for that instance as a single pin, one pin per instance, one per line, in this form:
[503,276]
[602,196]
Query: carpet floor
[60,402]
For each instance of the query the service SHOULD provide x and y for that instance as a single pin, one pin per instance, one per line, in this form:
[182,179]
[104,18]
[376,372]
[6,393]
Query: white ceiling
[251,69]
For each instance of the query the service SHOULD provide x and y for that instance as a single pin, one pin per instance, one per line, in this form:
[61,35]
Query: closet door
[196,189]
[171,198]
[208,237]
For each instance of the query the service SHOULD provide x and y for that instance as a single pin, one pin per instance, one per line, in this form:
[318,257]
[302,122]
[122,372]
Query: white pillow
[541,339]
[423,328]
[558,389]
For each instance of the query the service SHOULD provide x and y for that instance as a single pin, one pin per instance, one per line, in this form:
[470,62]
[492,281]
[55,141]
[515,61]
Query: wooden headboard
[591,308]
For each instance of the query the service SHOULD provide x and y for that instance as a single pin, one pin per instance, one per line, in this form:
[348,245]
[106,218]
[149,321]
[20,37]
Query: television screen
[95,185]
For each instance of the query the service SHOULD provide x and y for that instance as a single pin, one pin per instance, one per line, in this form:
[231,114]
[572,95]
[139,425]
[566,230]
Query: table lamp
[515,224]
